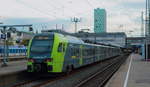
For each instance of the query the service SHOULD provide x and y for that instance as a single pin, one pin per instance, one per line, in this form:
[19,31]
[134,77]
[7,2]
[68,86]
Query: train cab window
[64,47]
[60,47]
[42,38]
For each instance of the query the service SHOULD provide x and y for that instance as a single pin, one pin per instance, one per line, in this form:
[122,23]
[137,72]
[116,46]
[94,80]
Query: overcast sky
[122,15]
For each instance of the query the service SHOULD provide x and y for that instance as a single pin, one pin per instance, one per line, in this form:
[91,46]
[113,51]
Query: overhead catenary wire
[72,11]
[46,13]
[69,9]
[89,3]
[36,9]
[55,8]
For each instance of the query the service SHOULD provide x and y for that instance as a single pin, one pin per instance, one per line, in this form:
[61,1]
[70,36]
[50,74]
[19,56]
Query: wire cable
[36,9]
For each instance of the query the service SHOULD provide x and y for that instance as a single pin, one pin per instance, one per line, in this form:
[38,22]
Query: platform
[14,58]
[10,74]
[13,67]
[133,73]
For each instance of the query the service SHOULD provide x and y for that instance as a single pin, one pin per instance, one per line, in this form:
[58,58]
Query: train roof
[76,40]
[49,33]
[73,39]
[99,45]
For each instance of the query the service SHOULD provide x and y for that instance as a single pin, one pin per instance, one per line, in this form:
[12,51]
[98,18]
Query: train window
[84,52]
[77,52]
[60,47]
[74,51]
[64,47]
[42,38]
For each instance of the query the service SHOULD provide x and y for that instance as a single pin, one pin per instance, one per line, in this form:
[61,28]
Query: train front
[39,53]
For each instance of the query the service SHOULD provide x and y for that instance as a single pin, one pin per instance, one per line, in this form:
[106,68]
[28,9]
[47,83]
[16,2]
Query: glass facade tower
[99,20]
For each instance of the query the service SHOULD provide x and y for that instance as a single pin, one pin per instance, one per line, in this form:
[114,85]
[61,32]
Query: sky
[122,15]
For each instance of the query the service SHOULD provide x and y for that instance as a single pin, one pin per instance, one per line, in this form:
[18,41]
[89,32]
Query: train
[14,50]
[56,53]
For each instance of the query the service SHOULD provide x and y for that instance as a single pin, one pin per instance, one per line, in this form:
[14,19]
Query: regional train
[55,53]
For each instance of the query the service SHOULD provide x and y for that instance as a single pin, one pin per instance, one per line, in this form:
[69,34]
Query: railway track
[38,82]
[41,82]
[99,78]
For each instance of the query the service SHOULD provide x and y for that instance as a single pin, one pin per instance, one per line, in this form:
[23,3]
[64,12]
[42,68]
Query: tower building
[99,20]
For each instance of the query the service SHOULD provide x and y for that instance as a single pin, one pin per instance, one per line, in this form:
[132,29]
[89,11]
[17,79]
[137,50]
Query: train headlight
[30,60]
[49,60]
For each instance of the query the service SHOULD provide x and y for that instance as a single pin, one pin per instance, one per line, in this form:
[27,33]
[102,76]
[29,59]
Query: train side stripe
[29,46]
[81,55]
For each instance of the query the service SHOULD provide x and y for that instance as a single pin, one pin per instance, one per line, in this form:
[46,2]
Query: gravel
[76,77]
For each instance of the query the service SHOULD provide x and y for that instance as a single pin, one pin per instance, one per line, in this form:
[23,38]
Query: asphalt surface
[12,67]
[134,73]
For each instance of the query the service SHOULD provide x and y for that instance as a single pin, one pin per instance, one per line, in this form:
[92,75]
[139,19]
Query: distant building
[99,20]
[21,35]
[18,35]
[24,35]
[135,40]
[116,39]
[138,45]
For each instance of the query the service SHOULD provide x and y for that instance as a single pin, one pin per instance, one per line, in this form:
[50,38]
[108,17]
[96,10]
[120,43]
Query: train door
[58,57]
[148,49]
[81,55]
[94,54]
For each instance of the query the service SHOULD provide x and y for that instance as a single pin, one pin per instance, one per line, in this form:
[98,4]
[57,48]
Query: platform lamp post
[75,20]
[3,36]
[4,30]
[148,29]
[149,17]
[147,26]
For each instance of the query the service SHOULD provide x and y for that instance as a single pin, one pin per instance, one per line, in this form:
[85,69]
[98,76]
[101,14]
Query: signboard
[3,36]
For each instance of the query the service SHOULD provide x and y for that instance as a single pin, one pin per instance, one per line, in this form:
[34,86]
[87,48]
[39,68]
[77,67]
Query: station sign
[3,36]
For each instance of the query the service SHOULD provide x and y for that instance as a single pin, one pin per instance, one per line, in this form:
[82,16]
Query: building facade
[99,20]
[116,39]
[135,40]
[18,35]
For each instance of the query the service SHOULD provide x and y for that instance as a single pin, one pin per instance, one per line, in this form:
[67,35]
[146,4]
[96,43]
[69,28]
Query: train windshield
[41,46]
